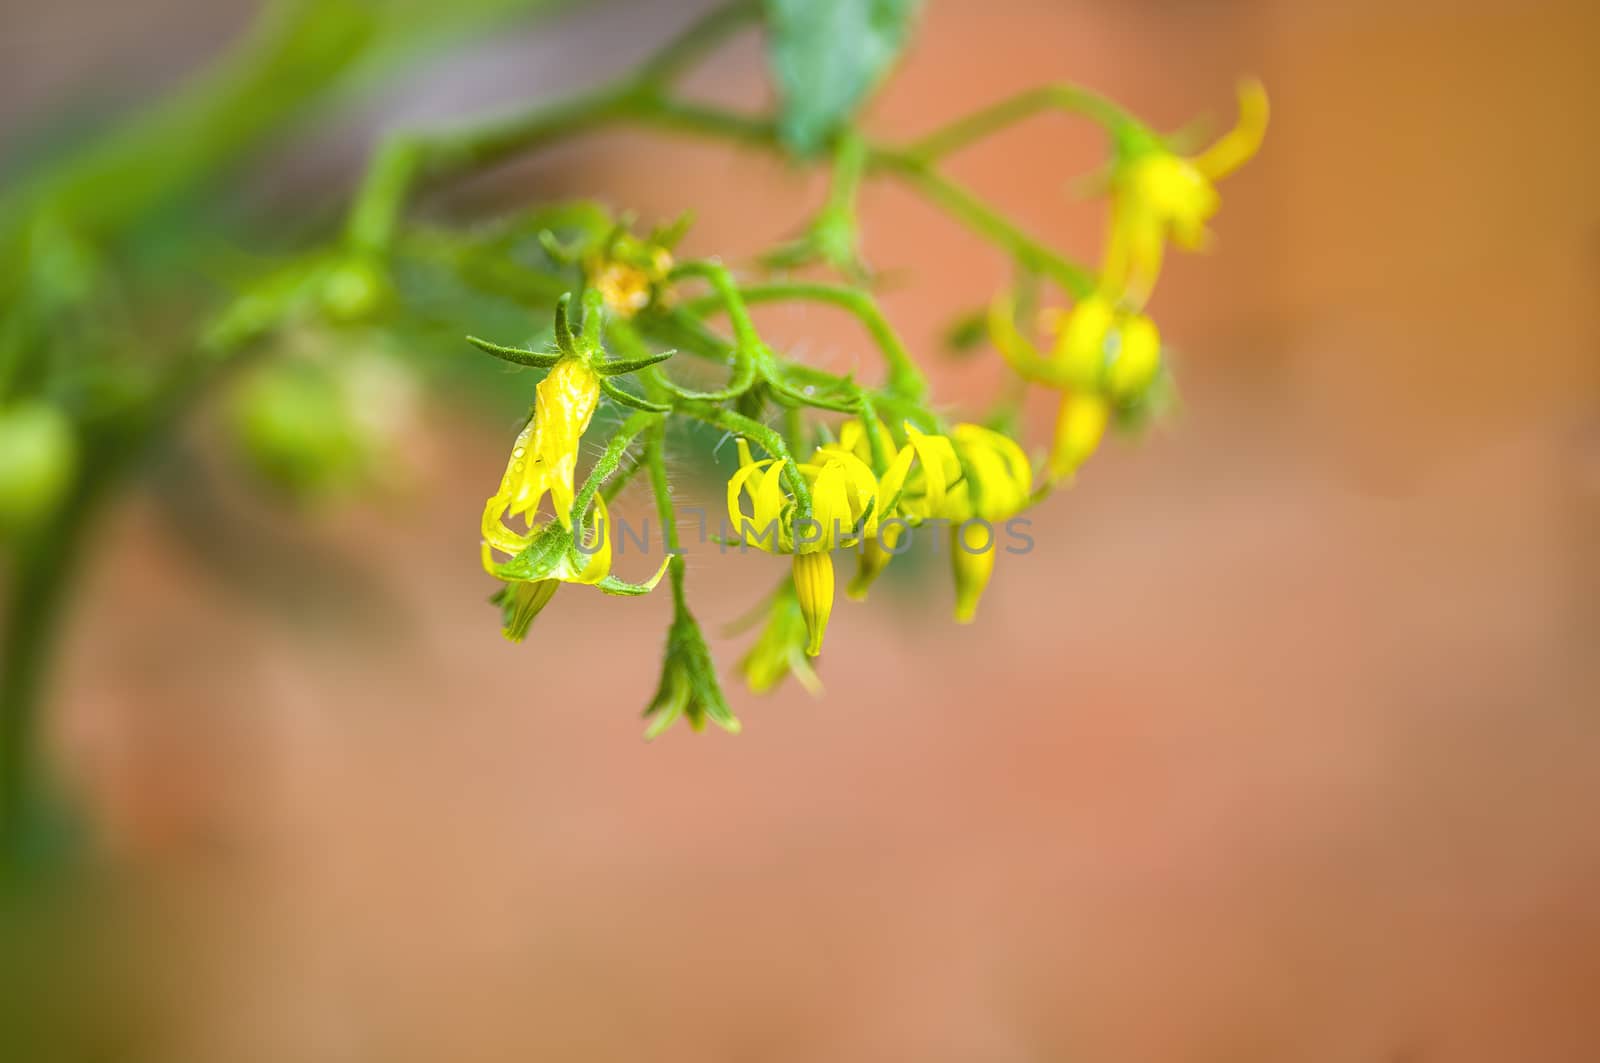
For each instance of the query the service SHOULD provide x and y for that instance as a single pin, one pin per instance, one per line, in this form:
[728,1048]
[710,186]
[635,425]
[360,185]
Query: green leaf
[827,56]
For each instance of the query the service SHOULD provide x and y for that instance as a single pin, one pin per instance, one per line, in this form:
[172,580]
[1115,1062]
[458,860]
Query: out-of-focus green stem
[765,437]
[997,116]
[987,222]
[32,619]
[407,159]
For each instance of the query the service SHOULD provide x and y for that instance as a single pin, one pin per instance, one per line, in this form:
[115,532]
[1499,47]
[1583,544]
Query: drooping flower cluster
[1106,355]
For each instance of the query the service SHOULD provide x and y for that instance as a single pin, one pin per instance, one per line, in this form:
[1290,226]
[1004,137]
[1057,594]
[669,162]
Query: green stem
[984,220]
[32,619]
[904,376]
[655,460]
[997,116]
[407,159]
[689,47]
[765,437]
[607,463]
[849,165]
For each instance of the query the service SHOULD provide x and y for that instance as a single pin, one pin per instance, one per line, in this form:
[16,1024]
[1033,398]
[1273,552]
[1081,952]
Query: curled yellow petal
[544,457]
[1239,144]
[769,503]
[738,486]
[595,546]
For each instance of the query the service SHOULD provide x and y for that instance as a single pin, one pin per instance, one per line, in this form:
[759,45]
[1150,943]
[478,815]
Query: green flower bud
[38,461]
[291,423]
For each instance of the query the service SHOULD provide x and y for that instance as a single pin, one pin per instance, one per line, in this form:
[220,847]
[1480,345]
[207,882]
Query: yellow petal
[1081,349]
[1138,358]
[1079,428]
[737,485]
[597,539]
[939,466]
[971,569]
[1239,144]
[894,480]
[769,501]
[830,509]
[564,403]
[813,584]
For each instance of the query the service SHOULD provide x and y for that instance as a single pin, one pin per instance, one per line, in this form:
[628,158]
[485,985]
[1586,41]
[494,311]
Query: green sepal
[564,338]
[627,398]
[594,317]
[689,688]
[517,355]
[541,558]
[520,603]
[1159,399]
[787,393]
[613,585]
[741,380]
[670,233]
[631,365]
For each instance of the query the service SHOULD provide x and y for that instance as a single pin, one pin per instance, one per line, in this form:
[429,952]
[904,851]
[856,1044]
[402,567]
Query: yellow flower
[844,502]
[1110,357]
[975,478]
[912,490]
[1157,195]
[1102,347]
[1099,347]
[628,275]
[1105,357]
[997,486]
[544,458]
[999,480]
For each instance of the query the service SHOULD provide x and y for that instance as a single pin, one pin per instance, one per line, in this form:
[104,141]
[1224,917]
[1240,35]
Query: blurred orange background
[1281,746]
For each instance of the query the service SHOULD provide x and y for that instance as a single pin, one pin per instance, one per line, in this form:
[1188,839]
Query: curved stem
[984,220]
[655,460]
[607,463]
[904,376]
[765,437]
[997,116]
[701,37]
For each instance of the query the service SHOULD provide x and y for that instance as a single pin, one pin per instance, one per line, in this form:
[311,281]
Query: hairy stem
[655,460]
